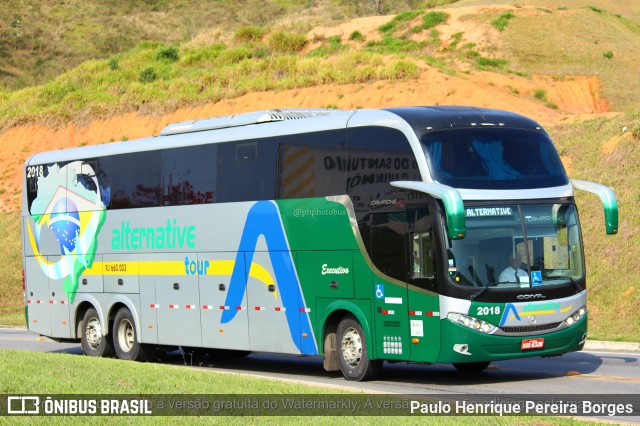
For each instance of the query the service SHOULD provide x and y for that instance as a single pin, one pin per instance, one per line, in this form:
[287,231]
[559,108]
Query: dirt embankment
[573,97]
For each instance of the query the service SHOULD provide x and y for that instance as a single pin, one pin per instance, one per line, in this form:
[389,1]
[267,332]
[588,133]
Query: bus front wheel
[125,338]
[93,342]
[352,352]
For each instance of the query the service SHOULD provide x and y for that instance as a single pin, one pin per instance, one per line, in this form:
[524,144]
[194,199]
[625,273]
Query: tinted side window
[189,175]
[247,170]
[311,164]
[377,156]
[131,180]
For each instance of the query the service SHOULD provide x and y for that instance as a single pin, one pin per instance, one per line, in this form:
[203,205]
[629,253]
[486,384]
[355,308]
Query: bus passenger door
[224,325]
[388,254]
[178,300]
[424,312]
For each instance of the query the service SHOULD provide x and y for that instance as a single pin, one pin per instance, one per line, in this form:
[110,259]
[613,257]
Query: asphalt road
[586,372]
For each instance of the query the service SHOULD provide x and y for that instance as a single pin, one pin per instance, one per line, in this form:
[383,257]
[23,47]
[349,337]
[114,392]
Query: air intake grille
[530,328]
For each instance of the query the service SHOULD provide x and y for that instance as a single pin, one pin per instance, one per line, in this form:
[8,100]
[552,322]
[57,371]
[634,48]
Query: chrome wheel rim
[352,347]
[126,335]
[94,333]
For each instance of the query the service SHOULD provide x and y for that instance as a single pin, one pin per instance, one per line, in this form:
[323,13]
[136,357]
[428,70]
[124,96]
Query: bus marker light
[280,309]
[149,326]
[415,340]
[207,307]
[305,335]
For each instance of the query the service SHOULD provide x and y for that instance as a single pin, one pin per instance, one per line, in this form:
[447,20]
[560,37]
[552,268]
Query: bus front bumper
[461,344]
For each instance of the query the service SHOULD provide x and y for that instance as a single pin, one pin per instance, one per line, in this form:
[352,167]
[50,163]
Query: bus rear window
[493,158]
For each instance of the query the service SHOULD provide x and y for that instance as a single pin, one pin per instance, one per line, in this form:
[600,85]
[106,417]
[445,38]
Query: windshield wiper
[565,277]
[484,290]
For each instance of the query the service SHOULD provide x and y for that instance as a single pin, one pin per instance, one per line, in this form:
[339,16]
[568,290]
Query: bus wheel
[352,352]
[93,342]
[125,339]
[471,367]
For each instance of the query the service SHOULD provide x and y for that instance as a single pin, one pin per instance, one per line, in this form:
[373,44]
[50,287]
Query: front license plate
[528,344]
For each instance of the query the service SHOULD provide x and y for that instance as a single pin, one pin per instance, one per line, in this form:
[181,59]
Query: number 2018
[488,310]
[35,171]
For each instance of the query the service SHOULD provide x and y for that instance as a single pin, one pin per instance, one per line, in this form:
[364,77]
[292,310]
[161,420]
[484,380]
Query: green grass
[12,306]
[614,297]
[537,44]
[62,374]
[502,21]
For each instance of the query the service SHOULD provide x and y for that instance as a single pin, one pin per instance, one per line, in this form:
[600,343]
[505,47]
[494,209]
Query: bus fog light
[462,348]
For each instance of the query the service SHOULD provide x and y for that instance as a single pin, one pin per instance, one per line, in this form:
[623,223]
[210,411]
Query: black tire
[93,342]
[471,367]
[352,352]
[125,338]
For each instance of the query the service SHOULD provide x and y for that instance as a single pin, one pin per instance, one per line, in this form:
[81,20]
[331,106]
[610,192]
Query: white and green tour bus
[418,234]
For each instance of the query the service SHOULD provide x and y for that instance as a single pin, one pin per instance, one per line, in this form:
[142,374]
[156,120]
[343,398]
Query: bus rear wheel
[471,367]
[352,352]
[125,338]
[93,342]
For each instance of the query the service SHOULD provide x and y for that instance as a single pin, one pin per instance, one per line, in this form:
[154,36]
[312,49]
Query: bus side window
[422,249]
[246,170]
[421,237]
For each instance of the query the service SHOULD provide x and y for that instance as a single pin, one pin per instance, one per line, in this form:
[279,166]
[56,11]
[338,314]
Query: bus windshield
[518,246]
[493,158]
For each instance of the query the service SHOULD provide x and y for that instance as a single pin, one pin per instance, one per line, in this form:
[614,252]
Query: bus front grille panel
[530,328]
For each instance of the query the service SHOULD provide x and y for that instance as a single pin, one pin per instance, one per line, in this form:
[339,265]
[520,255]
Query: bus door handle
[333,285]
[176,286]
[272,288]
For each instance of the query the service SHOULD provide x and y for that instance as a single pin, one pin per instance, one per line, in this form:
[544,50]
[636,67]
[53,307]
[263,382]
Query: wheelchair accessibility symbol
[379,291]
[536,278]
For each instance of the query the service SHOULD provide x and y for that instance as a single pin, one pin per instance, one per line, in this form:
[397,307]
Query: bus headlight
[471,322]
[576,316]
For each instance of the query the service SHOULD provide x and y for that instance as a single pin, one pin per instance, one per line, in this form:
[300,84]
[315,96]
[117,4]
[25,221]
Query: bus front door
[387,233]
